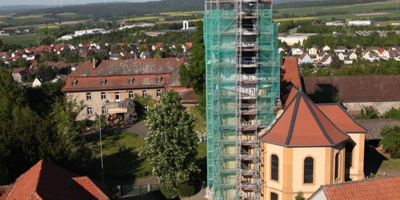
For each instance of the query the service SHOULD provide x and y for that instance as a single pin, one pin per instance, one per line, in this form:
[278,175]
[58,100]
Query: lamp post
[101,152]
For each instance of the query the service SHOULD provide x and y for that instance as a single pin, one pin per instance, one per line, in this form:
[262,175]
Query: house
[47,182]
[348,62]
[305,58]
[326,48]
[377,188]
[351,55]
[158,45]
[114,56]
[19,74]
[326,60]
[340,50]
[280,49]
[297,51]
[100,85]
[371,56]
[341,56]
[391,54]
[313,51]
[320,55]
[187,46]
[37,82]
[146,55]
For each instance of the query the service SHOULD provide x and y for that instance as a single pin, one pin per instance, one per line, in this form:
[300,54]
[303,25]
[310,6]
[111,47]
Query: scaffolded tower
[242,82]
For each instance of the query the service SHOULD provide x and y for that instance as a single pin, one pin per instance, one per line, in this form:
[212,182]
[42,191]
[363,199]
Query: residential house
[370,56]
[100,84]
[340,50]
[341,56]
[37,82]
[158,45]
[313,51]
[326,60]
[19,74]
[297,51]
[146,55]
[114,56]
[348,62]
[320,55]
[187,46]
[391,54]
[46,181]
[326,48]
[280,49]
[351,55]
[377,188]
[305,58]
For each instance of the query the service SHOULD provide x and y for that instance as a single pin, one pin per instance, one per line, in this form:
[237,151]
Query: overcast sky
[57,2]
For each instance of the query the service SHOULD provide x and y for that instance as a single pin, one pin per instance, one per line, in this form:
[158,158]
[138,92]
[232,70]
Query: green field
[23,40]
[121,156]
[355,11]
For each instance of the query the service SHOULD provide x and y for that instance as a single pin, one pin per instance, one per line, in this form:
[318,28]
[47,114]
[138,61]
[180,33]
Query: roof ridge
[359,181]
[317,120]
[39,175]
[293,120]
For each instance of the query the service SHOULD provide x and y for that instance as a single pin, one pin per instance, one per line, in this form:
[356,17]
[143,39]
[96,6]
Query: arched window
[337,165]
[274,196]
[309,170]
[274,167]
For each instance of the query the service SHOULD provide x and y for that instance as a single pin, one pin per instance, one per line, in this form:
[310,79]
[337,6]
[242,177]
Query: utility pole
[101,152]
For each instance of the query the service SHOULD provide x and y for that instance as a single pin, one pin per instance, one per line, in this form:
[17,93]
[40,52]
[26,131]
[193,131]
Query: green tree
[46,73]
[368,112]
[171,142]
[393,113]
[195,75]
[299,196]
[391,141]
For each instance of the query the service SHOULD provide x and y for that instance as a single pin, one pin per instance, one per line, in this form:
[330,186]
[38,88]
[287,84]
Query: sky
[57,2]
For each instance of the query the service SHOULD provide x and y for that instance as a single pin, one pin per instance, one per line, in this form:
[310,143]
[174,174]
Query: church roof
[337,114]
[303,124]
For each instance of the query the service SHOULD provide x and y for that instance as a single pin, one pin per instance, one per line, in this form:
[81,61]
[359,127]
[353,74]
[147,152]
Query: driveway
[139,129]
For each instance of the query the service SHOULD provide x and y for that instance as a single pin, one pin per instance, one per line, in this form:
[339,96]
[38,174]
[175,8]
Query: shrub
[169,192]
[391,141]
[186,190]
[299,196]
[368,112]
[393,113]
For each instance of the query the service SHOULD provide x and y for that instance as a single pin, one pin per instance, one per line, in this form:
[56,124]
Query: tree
[171,142]
[393,113]
[391,141]
[368,112]
[299,196]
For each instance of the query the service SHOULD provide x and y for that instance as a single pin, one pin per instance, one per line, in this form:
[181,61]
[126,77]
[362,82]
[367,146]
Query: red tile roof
[303,124]
[47,181]
[115,82]
[378,188]
[291,72]
[337,114]
[128,67]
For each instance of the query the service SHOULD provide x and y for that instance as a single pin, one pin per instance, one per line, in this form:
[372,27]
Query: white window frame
[117,94]
[159,93]
[131,94]
[130,81]
[103,96]
[73,82]
[103,81]
[146,108]
[144,93]
[89,111]
[159,79]
[103,111]
[88,96]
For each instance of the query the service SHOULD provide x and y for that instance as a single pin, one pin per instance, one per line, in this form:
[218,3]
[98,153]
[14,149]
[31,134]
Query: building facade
[242,83]
[101,86]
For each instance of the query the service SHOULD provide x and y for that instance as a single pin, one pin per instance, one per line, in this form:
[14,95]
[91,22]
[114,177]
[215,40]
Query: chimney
[94,63]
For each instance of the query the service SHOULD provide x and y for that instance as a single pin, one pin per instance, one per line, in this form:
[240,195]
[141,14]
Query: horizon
[56,3]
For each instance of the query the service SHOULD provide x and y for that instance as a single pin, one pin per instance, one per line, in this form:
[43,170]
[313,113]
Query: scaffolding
[242,83]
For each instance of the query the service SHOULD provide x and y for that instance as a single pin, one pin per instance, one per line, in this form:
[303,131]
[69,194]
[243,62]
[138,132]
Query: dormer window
[103,81]
[159,79]
[73,82]
[130,80]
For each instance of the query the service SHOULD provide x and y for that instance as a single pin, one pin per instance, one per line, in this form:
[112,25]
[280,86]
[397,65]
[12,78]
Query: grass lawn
[120,154]
[202,150]
[23,40]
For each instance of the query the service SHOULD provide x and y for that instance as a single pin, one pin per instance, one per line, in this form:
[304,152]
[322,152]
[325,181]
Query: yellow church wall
[357,168]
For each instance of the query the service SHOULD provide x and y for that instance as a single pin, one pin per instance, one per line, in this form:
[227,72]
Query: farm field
[356,11]
[23,40]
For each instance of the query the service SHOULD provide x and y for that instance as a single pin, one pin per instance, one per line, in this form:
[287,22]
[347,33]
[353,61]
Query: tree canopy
[171,142]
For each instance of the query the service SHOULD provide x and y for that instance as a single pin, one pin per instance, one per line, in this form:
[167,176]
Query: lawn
[23,40]
[120,154]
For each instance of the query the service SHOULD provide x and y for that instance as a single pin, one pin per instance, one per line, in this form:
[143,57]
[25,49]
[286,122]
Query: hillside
[118,9]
